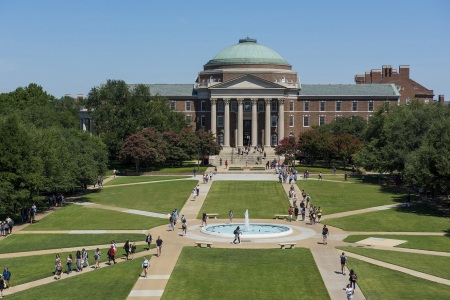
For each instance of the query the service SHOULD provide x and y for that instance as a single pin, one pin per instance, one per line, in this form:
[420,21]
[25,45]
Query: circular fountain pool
[256,230]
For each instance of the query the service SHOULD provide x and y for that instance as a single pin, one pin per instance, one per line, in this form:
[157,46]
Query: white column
[267,123]
[226,124]
[240,125]
[280,119]
[254,122]
[213,116]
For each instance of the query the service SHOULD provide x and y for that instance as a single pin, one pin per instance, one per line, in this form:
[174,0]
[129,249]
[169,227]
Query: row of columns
[240,127]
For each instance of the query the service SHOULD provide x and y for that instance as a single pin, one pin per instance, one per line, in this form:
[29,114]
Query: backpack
[95,256]
[353,277]
[235,231]
[343,259]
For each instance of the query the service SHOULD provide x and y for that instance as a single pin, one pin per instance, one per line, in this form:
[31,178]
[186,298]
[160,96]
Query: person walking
[290,212]
[352,278]
[159,243]
[319,214]
[127,249]
[230,215]
[145,265]
[69,264]
[57,260]
[343,263]
[97,255]
[296,211]
[204,217]
[325,233]
[148,240]
[237,232]
[7,277]
[58,270]
[78,261]
[84,258]
[133,250]
[112,255]
[349,291]
[2,286]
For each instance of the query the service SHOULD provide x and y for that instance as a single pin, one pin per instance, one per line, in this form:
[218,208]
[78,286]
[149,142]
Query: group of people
[351,286]
[173,217]
[207,177]
[28,215]
[196,191]
[6,226]
[55,200]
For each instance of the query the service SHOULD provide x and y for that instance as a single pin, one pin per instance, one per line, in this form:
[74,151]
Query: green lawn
[381,283]
[112,282]
[431,243]
[161,197]
[335,197]
[76,217]
[418,218]
[429,264]
[263,199]
[32,242]
[137,179]
[245,274]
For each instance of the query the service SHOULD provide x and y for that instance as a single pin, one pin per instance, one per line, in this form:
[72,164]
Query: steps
[252,159]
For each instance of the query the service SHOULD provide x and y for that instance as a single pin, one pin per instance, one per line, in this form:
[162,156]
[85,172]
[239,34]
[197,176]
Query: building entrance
[247,132]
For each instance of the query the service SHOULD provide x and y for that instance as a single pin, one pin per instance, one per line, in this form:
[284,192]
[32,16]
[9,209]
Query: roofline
[349,97]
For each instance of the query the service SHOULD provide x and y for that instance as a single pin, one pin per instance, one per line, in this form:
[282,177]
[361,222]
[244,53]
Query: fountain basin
[257,230]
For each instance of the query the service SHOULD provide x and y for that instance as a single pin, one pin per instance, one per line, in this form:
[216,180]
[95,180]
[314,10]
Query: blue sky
[68,47]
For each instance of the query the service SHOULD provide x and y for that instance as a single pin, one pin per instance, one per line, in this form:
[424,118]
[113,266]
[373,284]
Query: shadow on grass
[422,210]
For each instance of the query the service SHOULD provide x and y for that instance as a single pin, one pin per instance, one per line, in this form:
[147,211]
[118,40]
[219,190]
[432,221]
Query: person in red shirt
[112,254]
[290,212]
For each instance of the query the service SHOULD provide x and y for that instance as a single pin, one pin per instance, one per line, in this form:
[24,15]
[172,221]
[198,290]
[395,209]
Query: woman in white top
[145,265]
[349,291]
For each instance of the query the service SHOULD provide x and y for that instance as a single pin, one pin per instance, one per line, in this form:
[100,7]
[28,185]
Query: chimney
[68,95]
[367,78]
[404,71]
[80,97]
[376,75]
[441,99]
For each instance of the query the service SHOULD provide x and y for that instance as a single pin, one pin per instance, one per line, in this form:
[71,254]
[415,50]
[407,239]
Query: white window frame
[273,121]
[202,121]
[355,105]
[322,105]
[291,121]
[274,106]
[322,120]
[338,105]
[306,121]
[370,105]
[173,105]
[188,105]
[220,121]
[306,106]
[291,106]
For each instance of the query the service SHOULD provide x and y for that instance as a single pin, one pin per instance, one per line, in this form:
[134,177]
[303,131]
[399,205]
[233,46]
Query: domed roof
[247,52]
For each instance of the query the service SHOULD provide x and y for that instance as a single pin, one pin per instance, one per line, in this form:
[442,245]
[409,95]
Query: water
[247,221]
[256,230]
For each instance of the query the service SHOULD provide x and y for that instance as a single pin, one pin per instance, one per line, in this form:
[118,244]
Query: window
[291,106]
[426,101]
[247,106]
[305,121]
[220,106]
[291,121]
[273,121]
[220,139]
[321,120]
[338,105]
[202,121]
[306,106]
[408,101]
[260,106]
[173,105]
[371,105]
[189,118]
[368,118]
[274,140]
[188,105]
[337,117]
[234,106]
[203,106]
[355,105]
[219,121]
[274,106]
[322,105]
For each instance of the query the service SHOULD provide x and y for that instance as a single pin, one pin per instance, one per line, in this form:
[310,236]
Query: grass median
[141,179]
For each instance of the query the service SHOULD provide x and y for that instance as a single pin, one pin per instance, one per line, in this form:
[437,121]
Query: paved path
[326,256]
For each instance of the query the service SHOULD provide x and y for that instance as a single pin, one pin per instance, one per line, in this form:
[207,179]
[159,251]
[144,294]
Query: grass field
[33,242]
[263,199]
[335,197]
[76,217]
[431,243]
[429,264]
[161,197]
[137,179]
[245,274]
[418,218]
[112,282]
[381,283]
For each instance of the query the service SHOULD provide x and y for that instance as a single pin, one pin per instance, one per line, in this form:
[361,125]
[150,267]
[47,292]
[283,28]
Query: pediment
[247,82]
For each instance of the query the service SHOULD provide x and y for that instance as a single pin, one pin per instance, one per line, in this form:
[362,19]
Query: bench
[212,216]
[280,216]
[287,245]
[207,244]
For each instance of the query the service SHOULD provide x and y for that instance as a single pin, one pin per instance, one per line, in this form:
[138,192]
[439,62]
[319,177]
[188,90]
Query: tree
[315,144]
[289,147]
[206,144]
[346,146]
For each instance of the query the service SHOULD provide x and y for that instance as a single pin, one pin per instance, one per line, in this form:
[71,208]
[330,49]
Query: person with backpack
[126,247]
[352,278]
[148,240]
[237,232]
[7,277]
[343,263]
[325,234]
[97,255]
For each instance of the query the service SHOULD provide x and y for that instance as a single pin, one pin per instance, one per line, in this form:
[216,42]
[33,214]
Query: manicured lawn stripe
[431,243]
[263,199]
[160,197]
[136,179]
[76,217]
[381,283]
[429,264]
[31,242]
[245,274]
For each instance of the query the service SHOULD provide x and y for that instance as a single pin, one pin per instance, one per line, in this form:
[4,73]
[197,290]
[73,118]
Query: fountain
[256,230]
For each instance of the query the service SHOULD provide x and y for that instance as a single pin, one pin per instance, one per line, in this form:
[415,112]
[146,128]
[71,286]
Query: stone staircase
[252,159]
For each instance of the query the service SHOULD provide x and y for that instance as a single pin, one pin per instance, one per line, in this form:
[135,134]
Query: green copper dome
[247,52]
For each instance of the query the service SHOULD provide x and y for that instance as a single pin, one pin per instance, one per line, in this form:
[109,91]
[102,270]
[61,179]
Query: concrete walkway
[309,236]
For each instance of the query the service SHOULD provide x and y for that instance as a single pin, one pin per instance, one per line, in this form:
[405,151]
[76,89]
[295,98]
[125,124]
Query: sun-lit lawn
[137,179]
[112,282]
[431,243]
[381,283]
[32,242]
[76,217]
[334,197]
[160,197]
[429,264]
[245,274]
[263,199]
